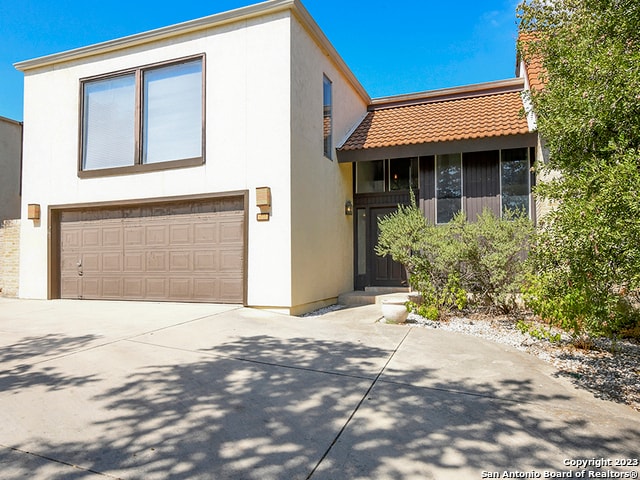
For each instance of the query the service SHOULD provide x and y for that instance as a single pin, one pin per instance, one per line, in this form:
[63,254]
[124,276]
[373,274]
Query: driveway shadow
[19,362]
[247,410]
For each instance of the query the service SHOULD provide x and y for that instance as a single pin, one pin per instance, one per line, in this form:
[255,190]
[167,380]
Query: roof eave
[231,16]
[464,91]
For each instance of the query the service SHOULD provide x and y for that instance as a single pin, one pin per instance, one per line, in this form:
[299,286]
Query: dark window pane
[370,176]
[448,186]
[515,180]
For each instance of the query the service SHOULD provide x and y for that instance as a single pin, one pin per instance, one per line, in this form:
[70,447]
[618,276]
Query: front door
[384,271]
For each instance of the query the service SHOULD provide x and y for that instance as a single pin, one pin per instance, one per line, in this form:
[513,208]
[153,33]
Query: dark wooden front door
[384,271]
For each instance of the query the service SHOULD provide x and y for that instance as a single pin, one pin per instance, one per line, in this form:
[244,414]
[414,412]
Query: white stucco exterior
[263,106]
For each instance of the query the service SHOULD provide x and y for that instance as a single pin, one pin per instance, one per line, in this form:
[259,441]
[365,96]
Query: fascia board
[219,19]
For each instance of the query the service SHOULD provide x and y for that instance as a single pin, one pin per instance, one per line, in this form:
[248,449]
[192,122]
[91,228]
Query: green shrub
[450,264]
[401,234]
[493,257]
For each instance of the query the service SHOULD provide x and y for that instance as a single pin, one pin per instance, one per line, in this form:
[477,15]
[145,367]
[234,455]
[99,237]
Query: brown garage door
[188,251]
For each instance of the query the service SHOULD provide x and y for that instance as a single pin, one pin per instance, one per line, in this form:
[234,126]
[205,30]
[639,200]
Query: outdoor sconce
[348,208]
[263,202]
[33,211]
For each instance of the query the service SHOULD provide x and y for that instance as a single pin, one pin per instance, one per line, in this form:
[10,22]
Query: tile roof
[534,70]
[441,120]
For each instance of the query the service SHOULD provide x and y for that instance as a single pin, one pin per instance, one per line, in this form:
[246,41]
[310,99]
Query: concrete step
[371,297]
[386,290]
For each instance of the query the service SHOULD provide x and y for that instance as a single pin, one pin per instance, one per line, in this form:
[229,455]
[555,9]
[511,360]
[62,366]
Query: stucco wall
[9,257]
[247,143]
[322,235]
[10,152]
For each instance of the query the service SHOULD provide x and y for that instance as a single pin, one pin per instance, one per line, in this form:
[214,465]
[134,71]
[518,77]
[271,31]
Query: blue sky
[392,47]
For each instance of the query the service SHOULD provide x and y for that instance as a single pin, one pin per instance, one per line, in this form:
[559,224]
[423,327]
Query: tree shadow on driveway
[20,361]
[263,407]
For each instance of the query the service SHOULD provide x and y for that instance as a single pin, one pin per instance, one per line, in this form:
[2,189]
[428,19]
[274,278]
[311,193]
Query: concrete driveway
[131,390]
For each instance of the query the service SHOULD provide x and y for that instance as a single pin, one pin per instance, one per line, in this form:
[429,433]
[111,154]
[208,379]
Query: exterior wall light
[348,208]
[33,211]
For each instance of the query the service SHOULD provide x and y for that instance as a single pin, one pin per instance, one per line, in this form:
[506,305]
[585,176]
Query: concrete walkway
[192,391]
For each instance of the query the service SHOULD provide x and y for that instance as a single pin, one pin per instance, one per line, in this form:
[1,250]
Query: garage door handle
[80,268]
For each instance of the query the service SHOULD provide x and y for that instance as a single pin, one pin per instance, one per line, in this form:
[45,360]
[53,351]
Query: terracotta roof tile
[533,63]
[491,115]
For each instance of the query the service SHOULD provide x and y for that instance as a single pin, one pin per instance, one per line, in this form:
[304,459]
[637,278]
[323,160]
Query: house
[10,163]
[219,160]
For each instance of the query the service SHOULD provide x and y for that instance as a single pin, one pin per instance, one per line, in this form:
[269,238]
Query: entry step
[370,296]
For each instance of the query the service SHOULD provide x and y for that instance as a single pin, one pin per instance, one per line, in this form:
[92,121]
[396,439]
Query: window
[515,180]
[448,186]
[370,176]
[403,173]
[387,175]
[327,117]
[150,117]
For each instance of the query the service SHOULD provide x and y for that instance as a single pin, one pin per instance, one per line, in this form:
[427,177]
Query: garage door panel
[133,288]
[230,260]
[156,287]
[230,232]
[181,261]
[112,287]
[134,235]
[71,239]
[230,288]
[206,260]
[183,251]
[156,235]
[206,233]
[134,262]
[91,262]
[181,234]
[112,237]
[112,262]
[180,288]
[157,261]
[91,237]
[69,263]
[70,287]
[91,288]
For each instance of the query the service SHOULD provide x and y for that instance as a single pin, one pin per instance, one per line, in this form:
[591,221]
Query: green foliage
[538,332]
[587,253]
[450,264]
[493,257]
[401,234]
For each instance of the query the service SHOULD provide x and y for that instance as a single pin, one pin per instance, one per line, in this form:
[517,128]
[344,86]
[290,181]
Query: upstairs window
[327,117]
[147,118]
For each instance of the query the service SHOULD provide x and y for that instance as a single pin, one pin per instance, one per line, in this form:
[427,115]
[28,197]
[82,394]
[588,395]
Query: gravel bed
[609,376]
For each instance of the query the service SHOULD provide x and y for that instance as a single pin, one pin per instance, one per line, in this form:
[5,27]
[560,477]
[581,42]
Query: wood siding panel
[481,182]
[428,188]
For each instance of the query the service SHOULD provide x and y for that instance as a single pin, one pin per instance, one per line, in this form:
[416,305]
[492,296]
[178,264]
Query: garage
[190,250]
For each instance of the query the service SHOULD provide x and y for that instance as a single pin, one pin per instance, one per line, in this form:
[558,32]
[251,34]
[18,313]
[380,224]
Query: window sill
[135,169]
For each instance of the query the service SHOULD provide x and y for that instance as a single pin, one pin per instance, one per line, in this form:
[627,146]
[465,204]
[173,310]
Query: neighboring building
[10,164]
[149,161]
